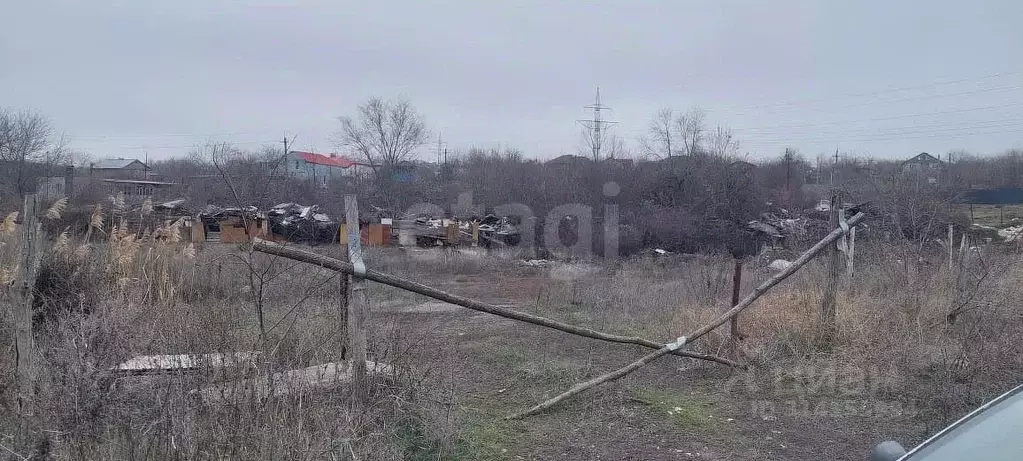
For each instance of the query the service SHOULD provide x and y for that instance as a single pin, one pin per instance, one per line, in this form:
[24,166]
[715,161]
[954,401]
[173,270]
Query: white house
[323,168]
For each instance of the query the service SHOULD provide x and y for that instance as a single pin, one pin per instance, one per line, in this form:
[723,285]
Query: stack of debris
[776,228]
[499,229]
[297,223]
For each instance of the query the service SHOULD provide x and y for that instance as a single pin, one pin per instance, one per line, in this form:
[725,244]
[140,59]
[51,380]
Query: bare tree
[384,132]
[722,142]
[29,146]
[251,178]
[691,127]
[661,140]
[602,145]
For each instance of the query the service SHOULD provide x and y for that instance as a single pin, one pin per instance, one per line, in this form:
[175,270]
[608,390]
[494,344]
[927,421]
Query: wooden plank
[184,363]
[358,304]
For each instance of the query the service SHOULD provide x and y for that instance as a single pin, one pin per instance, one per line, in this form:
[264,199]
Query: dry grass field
[897,369]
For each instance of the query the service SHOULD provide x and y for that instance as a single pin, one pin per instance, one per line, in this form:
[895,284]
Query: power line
[1010,122]
[877,92]
[766,129]
[876,119]
[595,126]
[164,135]
[188,146]
[923,135]
[441,149]
[888,101]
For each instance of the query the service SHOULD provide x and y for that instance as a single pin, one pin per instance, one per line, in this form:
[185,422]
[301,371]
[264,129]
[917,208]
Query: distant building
[622,163]
[922,161]
[323,168]
[128,176]
[926,166]
[568,160]
[55,187]
[119,168]
[136,189]
[743,165]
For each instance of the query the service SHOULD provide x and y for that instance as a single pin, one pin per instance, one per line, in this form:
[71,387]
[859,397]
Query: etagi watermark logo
[577,244]
[821,390]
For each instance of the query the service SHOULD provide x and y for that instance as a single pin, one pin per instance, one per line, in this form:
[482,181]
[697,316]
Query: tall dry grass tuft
[104,297]
[55,210]
[9,222]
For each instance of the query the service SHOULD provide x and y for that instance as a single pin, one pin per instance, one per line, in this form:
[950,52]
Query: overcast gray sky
[128,78]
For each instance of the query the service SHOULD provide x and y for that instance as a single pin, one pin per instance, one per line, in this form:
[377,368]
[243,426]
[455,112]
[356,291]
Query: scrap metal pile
[214,213]
[442,231]
[499,229]
[304,224]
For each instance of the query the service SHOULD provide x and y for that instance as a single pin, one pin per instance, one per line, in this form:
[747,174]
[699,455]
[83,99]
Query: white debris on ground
[573,271]
[562,270]
[473,252]
[779,264]
[537,263]
[1011,234]
[185,362]
[323,376]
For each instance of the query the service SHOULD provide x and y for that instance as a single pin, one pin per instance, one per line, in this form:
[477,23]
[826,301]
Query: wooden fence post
[345,293]
[850,254]
[358,304]
[734,322]
[828,314]
[24,345]
[950,250]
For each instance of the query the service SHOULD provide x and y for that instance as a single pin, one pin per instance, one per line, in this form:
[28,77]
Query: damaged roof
[336,161]
[116,163]
[214,211]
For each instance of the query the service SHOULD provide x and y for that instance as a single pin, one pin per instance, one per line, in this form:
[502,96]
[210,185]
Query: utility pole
[441,150]
[834,168]
[788,168]
[595,127]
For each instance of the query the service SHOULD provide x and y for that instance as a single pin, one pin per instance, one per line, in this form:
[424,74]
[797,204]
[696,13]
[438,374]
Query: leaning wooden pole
[398,282]
[684,340]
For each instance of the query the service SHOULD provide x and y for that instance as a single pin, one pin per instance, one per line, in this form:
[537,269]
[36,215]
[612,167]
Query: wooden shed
[228,225]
